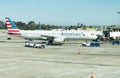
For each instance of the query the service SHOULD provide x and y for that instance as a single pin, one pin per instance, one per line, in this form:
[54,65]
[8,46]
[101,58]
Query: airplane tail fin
[12,28]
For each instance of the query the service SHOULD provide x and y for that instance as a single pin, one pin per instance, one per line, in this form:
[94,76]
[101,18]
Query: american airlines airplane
[50,36]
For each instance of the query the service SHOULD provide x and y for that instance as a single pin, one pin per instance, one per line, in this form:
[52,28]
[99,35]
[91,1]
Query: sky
[62,12]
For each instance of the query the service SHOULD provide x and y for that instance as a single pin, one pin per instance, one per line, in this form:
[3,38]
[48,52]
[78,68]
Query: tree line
[31,25]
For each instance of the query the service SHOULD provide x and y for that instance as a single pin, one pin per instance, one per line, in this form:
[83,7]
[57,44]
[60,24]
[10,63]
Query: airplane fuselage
[67,34]
[57,36]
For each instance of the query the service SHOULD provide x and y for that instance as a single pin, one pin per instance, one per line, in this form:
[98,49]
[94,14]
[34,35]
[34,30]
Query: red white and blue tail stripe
[12,28]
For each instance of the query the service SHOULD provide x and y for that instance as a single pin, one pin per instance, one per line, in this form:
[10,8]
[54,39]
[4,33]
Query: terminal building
[112,33]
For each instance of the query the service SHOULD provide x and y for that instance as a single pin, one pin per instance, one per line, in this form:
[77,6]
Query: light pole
[118,16]
[39,26]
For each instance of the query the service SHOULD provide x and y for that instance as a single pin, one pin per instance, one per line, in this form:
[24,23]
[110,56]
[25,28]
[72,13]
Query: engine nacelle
[59,39]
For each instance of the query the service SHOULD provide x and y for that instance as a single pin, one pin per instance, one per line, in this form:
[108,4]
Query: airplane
[50,36]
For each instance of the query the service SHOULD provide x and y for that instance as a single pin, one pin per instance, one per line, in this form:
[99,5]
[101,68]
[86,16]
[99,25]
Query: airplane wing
[49,37]
[56,38]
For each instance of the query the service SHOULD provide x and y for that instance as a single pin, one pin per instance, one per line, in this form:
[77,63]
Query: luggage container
[35,45]
[39,45]
[91,44]
[115,42]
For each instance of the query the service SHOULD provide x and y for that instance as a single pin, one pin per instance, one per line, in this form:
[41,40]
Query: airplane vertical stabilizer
[12,28]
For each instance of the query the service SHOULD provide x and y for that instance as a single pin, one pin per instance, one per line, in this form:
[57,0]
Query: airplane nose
[95,37]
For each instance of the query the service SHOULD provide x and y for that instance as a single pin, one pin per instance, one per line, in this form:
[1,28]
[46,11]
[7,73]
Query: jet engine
[59,39]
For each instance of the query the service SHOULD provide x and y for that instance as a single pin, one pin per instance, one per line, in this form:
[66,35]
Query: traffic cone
[92,76]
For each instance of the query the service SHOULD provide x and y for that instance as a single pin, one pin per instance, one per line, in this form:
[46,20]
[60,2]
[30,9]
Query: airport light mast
[118,12]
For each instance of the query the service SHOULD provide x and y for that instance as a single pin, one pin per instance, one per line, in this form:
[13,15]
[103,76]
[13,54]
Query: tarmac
[66,61]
